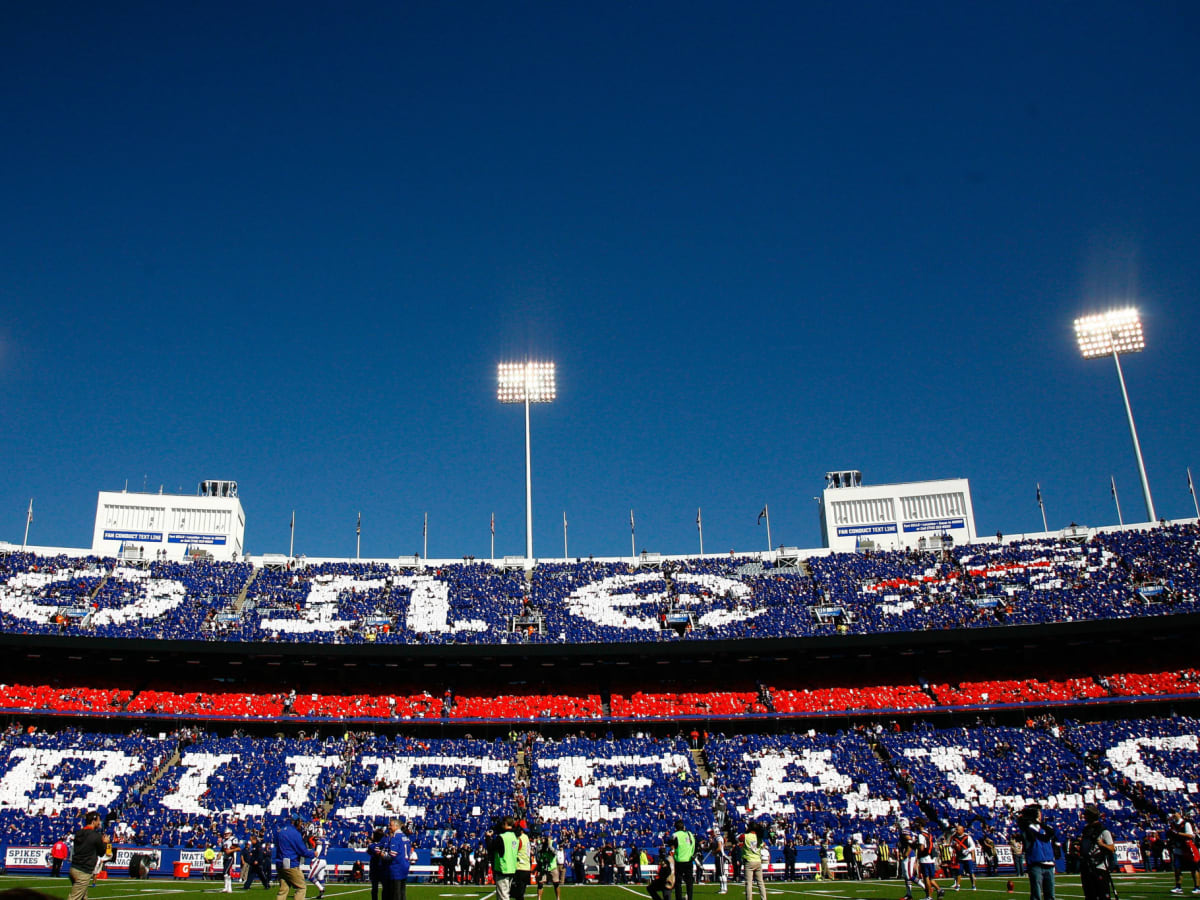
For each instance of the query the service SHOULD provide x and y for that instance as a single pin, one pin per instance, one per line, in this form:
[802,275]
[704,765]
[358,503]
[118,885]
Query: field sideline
[1130,887]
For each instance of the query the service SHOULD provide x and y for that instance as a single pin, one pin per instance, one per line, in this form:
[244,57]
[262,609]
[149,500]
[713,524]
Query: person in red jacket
[58,855]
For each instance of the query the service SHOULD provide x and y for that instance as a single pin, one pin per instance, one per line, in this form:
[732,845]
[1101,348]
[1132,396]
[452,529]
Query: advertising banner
[935,525]
[865,530]
[142,537]
[204,539]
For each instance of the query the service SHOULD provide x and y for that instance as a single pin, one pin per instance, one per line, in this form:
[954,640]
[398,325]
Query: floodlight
[527,382]
[1117,331]
[1111,334]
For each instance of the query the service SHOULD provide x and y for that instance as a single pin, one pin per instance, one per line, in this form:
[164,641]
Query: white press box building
[171,526]
[894,516]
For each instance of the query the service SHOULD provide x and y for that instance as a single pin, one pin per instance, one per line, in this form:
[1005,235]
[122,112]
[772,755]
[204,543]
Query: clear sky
[288,244]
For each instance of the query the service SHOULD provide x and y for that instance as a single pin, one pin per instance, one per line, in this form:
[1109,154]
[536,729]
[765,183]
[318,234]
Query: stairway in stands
[241,597]
[701,764]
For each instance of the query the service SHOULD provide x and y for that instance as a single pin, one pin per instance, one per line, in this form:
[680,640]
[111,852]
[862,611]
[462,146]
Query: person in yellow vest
[683,845]
[946,855]
[752,847]
[503,847]
[883,859]
[524,873]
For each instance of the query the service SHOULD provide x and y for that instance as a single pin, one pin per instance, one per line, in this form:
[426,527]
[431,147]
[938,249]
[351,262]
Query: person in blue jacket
[1039,852]
[290,851]
[396,848]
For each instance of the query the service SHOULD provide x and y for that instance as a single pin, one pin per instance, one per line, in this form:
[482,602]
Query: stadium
[832,696]
[709,252]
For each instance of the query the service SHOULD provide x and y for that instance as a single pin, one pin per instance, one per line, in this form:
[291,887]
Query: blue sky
[288,244]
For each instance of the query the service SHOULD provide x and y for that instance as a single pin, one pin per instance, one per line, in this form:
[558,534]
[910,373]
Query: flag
[425,526]
[762,515]
[1039,494]
[1113,479]
[698,517]
[493,524]
[29,516]
[358,528]
[293,525]
[631,526]
[564,518]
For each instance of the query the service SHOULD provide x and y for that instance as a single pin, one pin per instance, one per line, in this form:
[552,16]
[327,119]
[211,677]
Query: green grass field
[1130,887]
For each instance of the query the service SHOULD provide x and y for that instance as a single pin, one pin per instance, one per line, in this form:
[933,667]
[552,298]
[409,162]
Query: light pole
[527,382]
[1113,333]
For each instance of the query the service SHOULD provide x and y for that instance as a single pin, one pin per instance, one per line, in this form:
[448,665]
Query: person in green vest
[502,845]
[683,846]
[752,865]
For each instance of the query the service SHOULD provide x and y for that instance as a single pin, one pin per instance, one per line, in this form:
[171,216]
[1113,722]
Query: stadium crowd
[1121,574]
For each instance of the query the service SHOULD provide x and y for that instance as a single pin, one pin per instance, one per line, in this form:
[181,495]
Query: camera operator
[1038,836]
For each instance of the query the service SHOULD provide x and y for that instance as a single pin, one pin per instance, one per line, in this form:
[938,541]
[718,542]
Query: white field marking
[631,890]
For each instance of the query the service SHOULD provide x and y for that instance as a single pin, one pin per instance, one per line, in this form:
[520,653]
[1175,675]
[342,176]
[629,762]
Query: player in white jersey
[318,868]
[720,860]
[229,852]
[906,857]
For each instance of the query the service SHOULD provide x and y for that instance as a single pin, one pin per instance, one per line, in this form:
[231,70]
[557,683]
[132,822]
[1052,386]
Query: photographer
[1038,837]
[1096,849]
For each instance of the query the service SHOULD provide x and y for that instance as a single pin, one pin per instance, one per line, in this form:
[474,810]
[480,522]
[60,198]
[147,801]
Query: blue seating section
[47,779]
[981,777]
[813,785]
[436,785]
[630,790]
[809,786]
[1112,576]
[1155,760]
[228,781]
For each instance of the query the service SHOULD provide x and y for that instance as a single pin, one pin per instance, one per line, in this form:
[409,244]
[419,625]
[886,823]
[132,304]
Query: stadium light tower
[1113,333]
[527,382]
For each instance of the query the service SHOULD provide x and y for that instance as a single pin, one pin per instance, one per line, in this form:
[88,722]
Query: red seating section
[882,696]
[624,704]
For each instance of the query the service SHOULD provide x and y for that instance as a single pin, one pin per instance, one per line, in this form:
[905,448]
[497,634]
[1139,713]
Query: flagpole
[700,528]
[565,554]
[1042,507]
[1191,489]
[358,537]
[425,537]
[632,536]
[1116,500]
[29,521]
[493,537]
[292,538]
[768,509]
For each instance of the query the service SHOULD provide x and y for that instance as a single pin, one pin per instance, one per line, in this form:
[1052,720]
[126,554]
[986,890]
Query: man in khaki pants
[752,843]
[290,851]
[90,847]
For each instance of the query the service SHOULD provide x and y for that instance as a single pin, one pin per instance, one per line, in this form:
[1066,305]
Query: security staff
[524,873]
[683,842]
[503,848]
